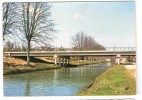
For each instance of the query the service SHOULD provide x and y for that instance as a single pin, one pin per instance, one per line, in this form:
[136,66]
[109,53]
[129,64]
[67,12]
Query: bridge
[66,55]
[72,53]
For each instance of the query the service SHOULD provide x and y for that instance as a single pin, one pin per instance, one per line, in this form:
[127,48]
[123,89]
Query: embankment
[115,81]
[16,69]
[18,65]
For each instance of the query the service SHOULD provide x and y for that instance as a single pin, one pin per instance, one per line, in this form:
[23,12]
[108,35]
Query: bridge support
[92,60]
[68,60]
[78,60]
[60,61]
[65,60]
[113,60]
[118,58]
[55,59]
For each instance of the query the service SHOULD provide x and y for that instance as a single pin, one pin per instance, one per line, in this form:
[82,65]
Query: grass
[115,81]
[19,65]
[25,68]
[83,62]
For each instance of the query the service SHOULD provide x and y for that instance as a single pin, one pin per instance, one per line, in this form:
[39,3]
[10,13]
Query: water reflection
[58,82]
[27,92]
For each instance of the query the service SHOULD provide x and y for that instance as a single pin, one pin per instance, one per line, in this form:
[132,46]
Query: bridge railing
[121,48]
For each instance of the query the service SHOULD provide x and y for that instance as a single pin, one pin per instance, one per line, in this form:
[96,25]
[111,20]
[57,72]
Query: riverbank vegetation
[114,81]
[15,69]
[15,65]
[77,62]
[18,65]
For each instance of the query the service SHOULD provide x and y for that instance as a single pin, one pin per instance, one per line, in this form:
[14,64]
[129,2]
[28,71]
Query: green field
[114,81]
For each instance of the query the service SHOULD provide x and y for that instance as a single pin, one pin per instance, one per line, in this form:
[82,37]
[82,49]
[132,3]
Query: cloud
[78,16]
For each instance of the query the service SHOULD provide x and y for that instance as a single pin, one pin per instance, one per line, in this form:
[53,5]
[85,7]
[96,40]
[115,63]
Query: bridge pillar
[60,61]
[68,60]
[113,60]
[65,61]
[118,58]
[92,60]
[78,60]
[55,59]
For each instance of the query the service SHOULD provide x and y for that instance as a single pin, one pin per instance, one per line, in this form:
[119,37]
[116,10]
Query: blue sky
[110,23]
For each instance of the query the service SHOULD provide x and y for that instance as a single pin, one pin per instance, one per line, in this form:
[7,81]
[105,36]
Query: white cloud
[78,16]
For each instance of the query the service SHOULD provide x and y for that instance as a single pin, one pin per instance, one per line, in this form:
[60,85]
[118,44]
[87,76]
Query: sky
[109,23]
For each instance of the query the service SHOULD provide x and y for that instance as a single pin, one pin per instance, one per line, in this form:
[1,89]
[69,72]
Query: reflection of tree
[27,92]
[67,71]
[55,77]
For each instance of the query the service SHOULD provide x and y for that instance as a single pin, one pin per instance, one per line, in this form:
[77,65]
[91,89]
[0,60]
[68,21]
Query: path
[131,69]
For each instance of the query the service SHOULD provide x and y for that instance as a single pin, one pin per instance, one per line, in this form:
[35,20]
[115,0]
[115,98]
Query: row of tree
[12,47]
[81,41]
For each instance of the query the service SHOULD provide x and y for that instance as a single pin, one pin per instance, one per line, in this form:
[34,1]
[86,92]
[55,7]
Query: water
[57,82]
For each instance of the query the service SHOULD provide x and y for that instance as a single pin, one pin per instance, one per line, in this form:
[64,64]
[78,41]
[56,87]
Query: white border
[139,62]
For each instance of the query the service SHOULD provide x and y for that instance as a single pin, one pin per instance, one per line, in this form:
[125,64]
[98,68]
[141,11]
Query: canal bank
[116,80]
[13,65]
[16,69]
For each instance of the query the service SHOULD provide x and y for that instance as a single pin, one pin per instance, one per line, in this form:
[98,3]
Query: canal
[58,82]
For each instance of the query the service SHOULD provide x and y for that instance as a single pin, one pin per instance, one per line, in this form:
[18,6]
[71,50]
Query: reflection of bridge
[66,55]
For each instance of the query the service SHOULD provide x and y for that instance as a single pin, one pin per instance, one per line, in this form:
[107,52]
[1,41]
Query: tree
[9,18]
[78,40]
[35,24]
[89,43]
[9,46]
[81,41]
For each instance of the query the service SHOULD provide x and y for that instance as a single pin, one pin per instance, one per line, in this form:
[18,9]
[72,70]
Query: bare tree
[89,43]
[9,46]
[35,24]
[9,18]
[78,40]
[81,41]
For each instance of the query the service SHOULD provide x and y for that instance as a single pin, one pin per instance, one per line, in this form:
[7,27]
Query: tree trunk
[28,54]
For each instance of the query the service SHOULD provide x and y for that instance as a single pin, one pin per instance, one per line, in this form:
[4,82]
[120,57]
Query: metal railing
[121,48]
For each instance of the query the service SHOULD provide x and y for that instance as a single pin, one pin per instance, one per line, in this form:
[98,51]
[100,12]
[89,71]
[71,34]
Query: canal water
[57,82]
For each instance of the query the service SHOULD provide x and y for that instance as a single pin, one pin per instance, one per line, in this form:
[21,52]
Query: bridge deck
[72,53]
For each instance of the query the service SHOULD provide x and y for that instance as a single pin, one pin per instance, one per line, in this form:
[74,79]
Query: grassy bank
[15,69]
[115,81]
[83,62]
[19,65]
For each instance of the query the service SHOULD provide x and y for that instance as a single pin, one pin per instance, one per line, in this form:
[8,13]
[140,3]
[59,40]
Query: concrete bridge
[72,53]
[64,56]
